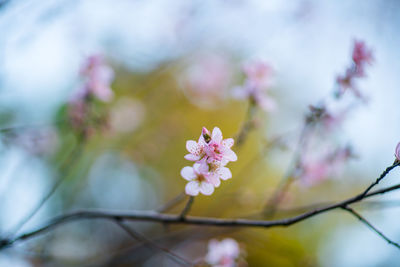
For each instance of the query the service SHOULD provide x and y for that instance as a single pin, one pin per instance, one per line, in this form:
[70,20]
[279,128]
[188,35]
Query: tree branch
[373,228]
[152,216]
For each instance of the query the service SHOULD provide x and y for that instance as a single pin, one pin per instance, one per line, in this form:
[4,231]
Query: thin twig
[74,156]
[149,243]
[384,173]
[373,228]
[248,124]
[187,207]
[286,180]
[172,203]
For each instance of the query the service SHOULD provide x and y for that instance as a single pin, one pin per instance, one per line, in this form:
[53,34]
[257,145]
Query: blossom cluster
[222,253]
[256,84]
[211,153]
[97,77]
[361,57]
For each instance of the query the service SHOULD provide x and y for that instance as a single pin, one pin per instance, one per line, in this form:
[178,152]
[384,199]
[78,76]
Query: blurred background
[175,65]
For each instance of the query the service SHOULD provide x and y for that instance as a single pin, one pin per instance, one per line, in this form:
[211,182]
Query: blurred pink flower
[222,253]
[205,82]
[258,79]
[361,56]
[99,77]
[397,152]
[198,177]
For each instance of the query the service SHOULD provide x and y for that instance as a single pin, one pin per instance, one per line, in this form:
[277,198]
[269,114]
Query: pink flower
[361,56]
[222,253]
[206,80]
[211,153]
[397,152]
[256,85]
[218,149]
[99,77]
[258,73]
[198,177]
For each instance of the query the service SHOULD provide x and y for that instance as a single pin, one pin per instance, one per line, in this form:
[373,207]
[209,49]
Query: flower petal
[188,173]
[192,157]
[224,173]
[230,155]
[214,179]
[228,142]
[206,188]
[216,135]
[192,188]
[192,147]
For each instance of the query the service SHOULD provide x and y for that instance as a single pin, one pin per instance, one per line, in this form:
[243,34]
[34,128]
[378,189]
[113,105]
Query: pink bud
[397,152]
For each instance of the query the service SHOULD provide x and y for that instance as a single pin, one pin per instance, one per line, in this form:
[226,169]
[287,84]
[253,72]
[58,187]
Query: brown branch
[373,228]
[152,216]
[187,207]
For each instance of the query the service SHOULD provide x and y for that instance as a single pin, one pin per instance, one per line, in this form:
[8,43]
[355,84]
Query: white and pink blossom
[199,180]
[211,154]
[223,253]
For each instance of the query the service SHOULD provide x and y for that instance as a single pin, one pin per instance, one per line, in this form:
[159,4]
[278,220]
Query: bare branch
[373,228]
[153,216]
[170,204]
[136,235]
[186,209]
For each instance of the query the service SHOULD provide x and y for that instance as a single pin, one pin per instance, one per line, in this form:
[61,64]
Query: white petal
[214,179]
[216,135]
[188,173]
[224,173]
[192,188]
[206,188]
[192,147]
[192,157]
[228,142]
[230,155]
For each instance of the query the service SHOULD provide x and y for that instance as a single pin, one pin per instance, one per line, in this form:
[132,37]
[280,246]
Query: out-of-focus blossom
[223,253]
[199,182]
[126,115]
[361,57]
[98,77]
[397,152]
[211,153]
[205,82]
[256,84]
[314,171]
